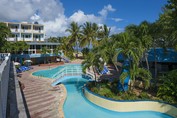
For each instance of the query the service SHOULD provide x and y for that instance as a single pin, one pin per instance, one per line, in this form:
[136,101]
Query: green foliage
[4,33]
[15,47]
[105,89]
[75,34]
[167,23]
[65,47]
[85,51]
[168,89]
[55,39]
[144,96]
[89,34]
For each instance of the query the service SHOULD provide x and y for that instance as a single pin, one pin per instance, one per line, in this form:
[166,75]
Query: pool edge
[130,106]
[62,101]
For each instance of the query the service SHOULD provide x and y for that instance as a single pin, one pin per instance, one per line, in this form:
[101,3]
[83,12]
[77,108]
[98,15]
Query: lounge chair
[104,71]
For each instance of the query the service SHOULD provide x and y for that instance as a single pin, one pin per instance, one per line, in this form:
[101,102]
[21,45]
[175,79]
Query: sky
[56,15]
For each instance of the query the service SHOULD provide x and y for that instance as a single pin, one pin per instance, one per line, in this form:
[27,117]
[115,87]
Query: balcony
[38,31]
[15,30]
[38,39]
[26,31]
[13,39]
[26,39]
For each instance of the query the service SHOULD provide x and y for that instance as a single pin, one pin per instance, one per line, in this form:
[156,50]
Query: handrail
[65,71]
[58,72]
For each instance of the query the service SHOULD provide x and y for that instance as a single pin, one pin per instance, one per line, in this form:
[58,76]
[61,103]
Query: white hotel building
[34,36]
[26,32]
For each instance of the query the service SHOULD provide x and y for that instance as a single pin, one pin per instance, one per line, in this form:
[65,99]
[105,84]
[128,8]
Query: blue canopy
[163,55]
[168,55]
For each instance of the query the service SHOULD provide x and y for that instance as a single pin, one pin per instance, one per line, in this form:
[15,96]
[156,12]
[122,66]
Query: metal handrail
[65,71]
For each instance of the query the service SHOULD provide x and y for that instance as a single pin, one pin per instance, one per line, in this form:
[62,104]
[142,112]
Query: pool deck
[42,100]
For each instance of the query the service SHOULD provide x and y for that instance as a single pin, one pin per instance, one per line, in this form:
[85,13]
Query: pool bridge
[68,72]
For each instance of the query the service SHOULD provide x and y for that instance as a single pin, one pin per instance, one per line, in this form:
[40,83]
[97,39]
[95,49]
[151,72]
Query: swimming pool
[54,73]
[77,106]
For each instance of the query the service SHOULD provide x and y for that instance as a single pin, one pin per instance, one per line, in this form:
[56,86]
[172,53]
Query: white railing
[67,71]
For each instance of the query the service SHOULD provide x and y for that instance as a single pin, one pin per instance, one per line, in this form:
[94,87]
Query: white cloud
[48,9]
[115,30]
[50,13]
[15,10]
[105,10]
[117,19]
[56,27]
[35,17]
[81,17]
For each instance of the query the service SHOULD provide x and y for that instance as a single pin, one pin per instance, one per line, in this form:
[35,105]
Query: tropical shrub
[85,51]
[168,88]
[144,96]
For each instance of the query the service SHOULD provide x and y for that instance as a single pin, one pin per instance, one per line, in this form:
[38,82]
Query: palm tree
[142,32]
[85,51]
[75,32]
[104,32]
[66,47]
[89,34]
[22,45]
[92,60]
[54,39]
[7,47]
[132,50]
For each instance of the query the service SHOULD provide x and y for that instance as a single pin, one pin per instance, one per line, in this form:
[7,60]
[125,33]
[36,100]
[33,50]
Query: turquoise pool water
[49,73]
[77,106]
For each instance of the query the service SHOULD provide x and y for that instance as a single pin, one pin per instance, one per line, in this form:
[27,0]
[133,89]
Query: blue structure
[168,55]
[124,86]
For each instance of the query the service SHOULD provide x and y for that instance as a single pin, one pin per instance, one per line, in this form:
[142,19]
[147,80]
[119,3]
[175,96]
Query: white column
[20,37]
[32,32]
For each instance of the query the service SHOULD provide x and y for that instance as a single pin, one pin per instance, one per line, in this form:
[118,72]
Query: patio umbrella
[16,63]
[28,61]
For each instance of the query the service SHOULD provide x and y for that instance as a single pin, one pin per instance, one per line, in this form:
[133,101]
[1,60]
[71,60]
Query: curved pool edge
[130,106]
[61,105]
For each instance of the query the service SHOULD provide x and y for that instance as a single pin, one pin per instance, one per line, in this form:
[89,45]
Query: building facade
[26,32]
[34,36]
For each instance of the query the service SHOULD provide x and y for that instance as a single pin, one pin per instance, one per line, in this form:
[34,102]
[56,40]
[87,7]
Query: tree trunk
[94,74]
[77,49]
[147,64]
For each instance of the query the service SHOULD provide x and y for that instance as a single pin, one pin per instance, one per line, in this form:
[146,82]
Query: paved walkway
[42,99]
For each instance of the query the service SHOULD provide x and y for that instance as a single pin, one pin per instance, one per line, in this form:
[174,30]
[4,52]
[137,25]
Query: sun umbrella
[28,61]
[16,63]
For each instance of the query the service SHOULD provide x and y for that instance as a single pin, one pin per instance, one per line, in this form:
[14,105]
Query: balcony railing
[15,30]
[26,30]
[38,31]
[38,39]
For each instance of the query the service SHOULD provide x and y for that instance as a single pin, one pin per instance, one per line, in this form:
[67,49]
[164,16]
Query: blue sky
[56,15]
[131,11]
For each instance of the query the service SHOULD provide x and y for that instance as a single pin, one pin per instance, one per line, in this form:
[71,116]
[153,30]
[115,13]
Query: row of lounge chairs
[104,71]
[23,68]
